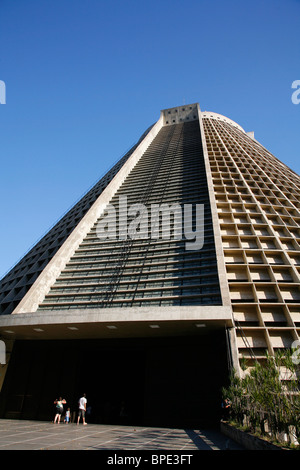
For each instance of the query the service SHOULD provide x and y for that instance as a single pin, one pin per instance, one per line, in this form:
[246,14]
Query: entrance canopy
[115,322]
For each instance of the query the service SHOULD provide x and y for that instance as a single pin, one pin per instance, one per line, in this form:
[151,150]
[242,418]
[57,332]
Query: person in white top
[82,409]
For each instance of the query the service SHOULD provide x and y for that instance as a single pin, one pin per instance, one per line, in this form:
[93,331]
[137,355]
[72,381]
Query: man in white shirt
[82,409]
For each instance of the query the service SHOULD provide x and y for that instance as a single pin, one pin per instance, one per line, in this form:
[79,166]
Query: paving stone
[33,435]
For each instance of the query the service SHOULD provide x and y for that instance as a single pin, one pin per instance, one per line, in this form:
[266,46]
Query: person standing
[59,408]
[68,416]
[82,409]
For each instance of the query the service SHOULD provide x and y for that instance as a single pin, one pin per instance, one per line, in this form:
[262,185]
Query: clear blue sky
[85,78]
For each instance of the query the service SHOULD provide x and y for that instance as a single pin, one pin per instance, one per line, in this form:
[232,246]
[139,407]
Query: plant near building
[267,398]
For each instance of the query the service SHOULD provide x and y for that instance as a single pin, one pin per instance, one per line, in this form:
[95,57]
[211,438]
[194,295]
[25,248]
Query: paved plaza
[36,435]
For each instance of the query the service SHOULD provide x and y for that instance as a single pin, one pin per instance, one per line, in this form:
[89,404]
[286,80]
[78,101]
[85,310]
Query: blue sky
[85,78]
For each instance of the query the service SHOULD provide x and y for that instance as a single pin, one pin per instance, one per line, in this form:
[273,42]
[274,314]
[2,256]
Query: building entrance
[173,382]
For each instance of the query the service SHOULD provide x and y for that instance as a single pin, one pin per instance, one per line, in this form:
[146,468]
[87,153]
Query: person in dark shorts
[82,409]
[59,405]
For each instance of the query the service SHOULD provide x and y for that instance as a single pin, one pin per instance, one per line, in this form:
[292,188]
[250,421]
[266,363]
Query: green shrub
[266,396]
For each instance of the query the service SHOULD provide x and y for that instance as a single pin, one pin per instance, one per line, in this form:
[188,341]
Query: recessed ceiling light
[111,327]
[8,331]
[154,326]
[72,328]
[200,325]
[39,330]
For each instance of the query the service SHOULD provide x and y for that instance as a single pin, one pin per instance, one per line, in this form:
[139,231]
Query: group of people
[59,404]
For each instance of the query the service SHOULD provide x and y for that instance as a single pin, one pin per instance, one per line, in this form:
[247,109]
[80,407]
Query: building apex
[186,112]
[192,112]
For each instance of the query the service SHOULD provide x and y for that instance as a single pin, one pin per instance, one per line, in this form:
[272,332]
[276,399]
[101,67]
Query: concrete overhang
[115,322]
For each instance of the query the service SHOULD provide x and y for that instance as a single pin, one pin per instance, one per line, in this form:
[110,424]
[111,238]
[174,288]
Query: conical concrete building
[181,262]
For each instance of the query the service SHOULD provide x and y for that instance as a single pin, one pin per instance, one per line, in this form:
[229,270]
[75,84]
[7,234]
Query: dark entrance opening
[170,381]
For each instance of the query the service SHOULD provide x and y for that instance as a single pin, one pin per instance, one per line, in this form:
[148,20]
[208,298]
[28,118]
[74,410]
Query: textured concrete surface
[36,435]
